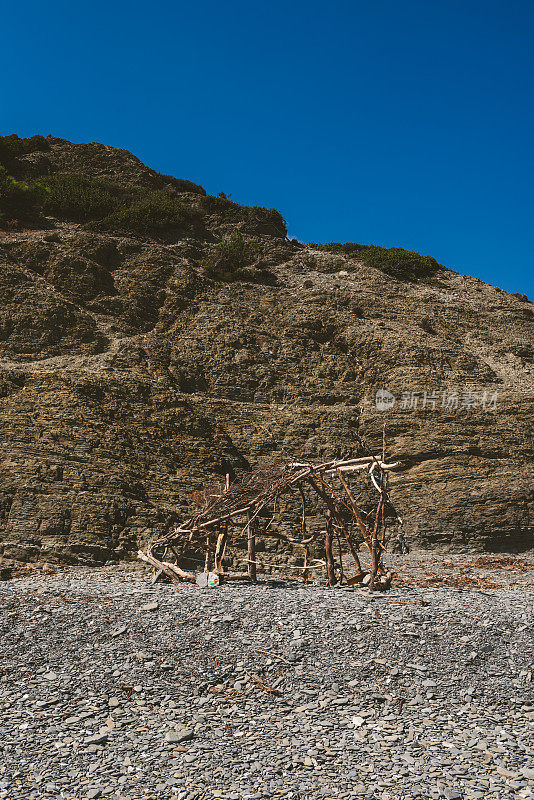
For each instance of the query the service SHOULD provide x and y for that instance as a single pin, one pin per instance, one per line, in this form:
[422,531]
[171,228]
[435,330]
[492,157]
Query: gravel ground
[112,687]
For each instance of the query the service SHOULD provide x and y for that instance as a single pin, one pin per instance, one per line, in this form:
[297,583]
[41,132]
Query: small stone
[150,606]
[417,700]
[99,738]
[505,773]
[175,737]
[528,773]
[114,702]
[118,631]
[92,794]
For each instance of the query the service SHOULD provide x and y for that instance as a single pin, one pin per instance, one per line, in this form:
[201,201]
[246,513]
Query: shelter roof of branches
[229,513]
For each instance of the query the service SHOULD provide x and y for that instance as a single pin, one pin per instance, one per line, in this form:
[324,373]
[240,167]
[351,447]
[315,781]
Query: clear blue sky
[403,123]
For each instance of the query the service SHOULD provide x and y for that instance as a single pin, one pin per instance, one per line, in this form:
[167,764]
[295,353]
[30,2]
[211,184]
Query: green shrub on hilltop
[154,212]
[12,147]
[262,220]
[222,206]
[268,220]
[405,265]
[399,263]
[18,198]
[79,198]
[112,208]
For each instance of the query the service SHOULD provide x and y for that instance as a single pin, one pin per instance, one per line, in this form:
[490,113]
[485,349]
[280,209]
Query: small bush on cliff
[405,265]
[150,213]
[18,198]
[223,207]
[12,147]
[268,220]
[79,198]
[237,260]
[231,256]
[113,208]
[259,220]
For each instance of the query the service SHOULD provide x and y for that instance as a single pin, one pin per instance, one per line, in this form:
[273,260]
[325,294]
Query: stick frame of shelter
[240,505]
[251,551]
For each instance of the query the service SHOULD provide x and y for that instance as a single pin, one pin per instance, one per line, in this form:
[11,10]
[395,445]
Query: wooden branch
[376,550]
[361,524]
[208,553]
[220,549]
[268,689]
[251,551]
[274,655]
[172,570]
[340,554]
[330,566]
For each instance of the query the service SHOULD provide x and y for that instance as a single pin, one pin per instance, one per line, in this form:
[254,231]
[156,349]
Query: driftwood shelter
[230,511]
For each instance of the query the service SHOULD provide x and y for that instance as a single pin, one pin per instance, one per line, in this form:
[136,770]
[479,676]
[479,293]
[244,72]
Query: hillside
[139,357]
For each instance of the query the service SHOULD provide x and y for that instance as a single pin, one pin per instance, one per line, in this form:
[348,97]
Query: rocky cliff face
[135,365]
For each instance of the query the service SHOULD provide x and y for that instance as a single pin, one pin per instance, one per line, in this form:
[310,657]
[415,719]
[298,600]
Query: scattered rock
[176,737]
[99,738]
[118,721]
[150,606]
